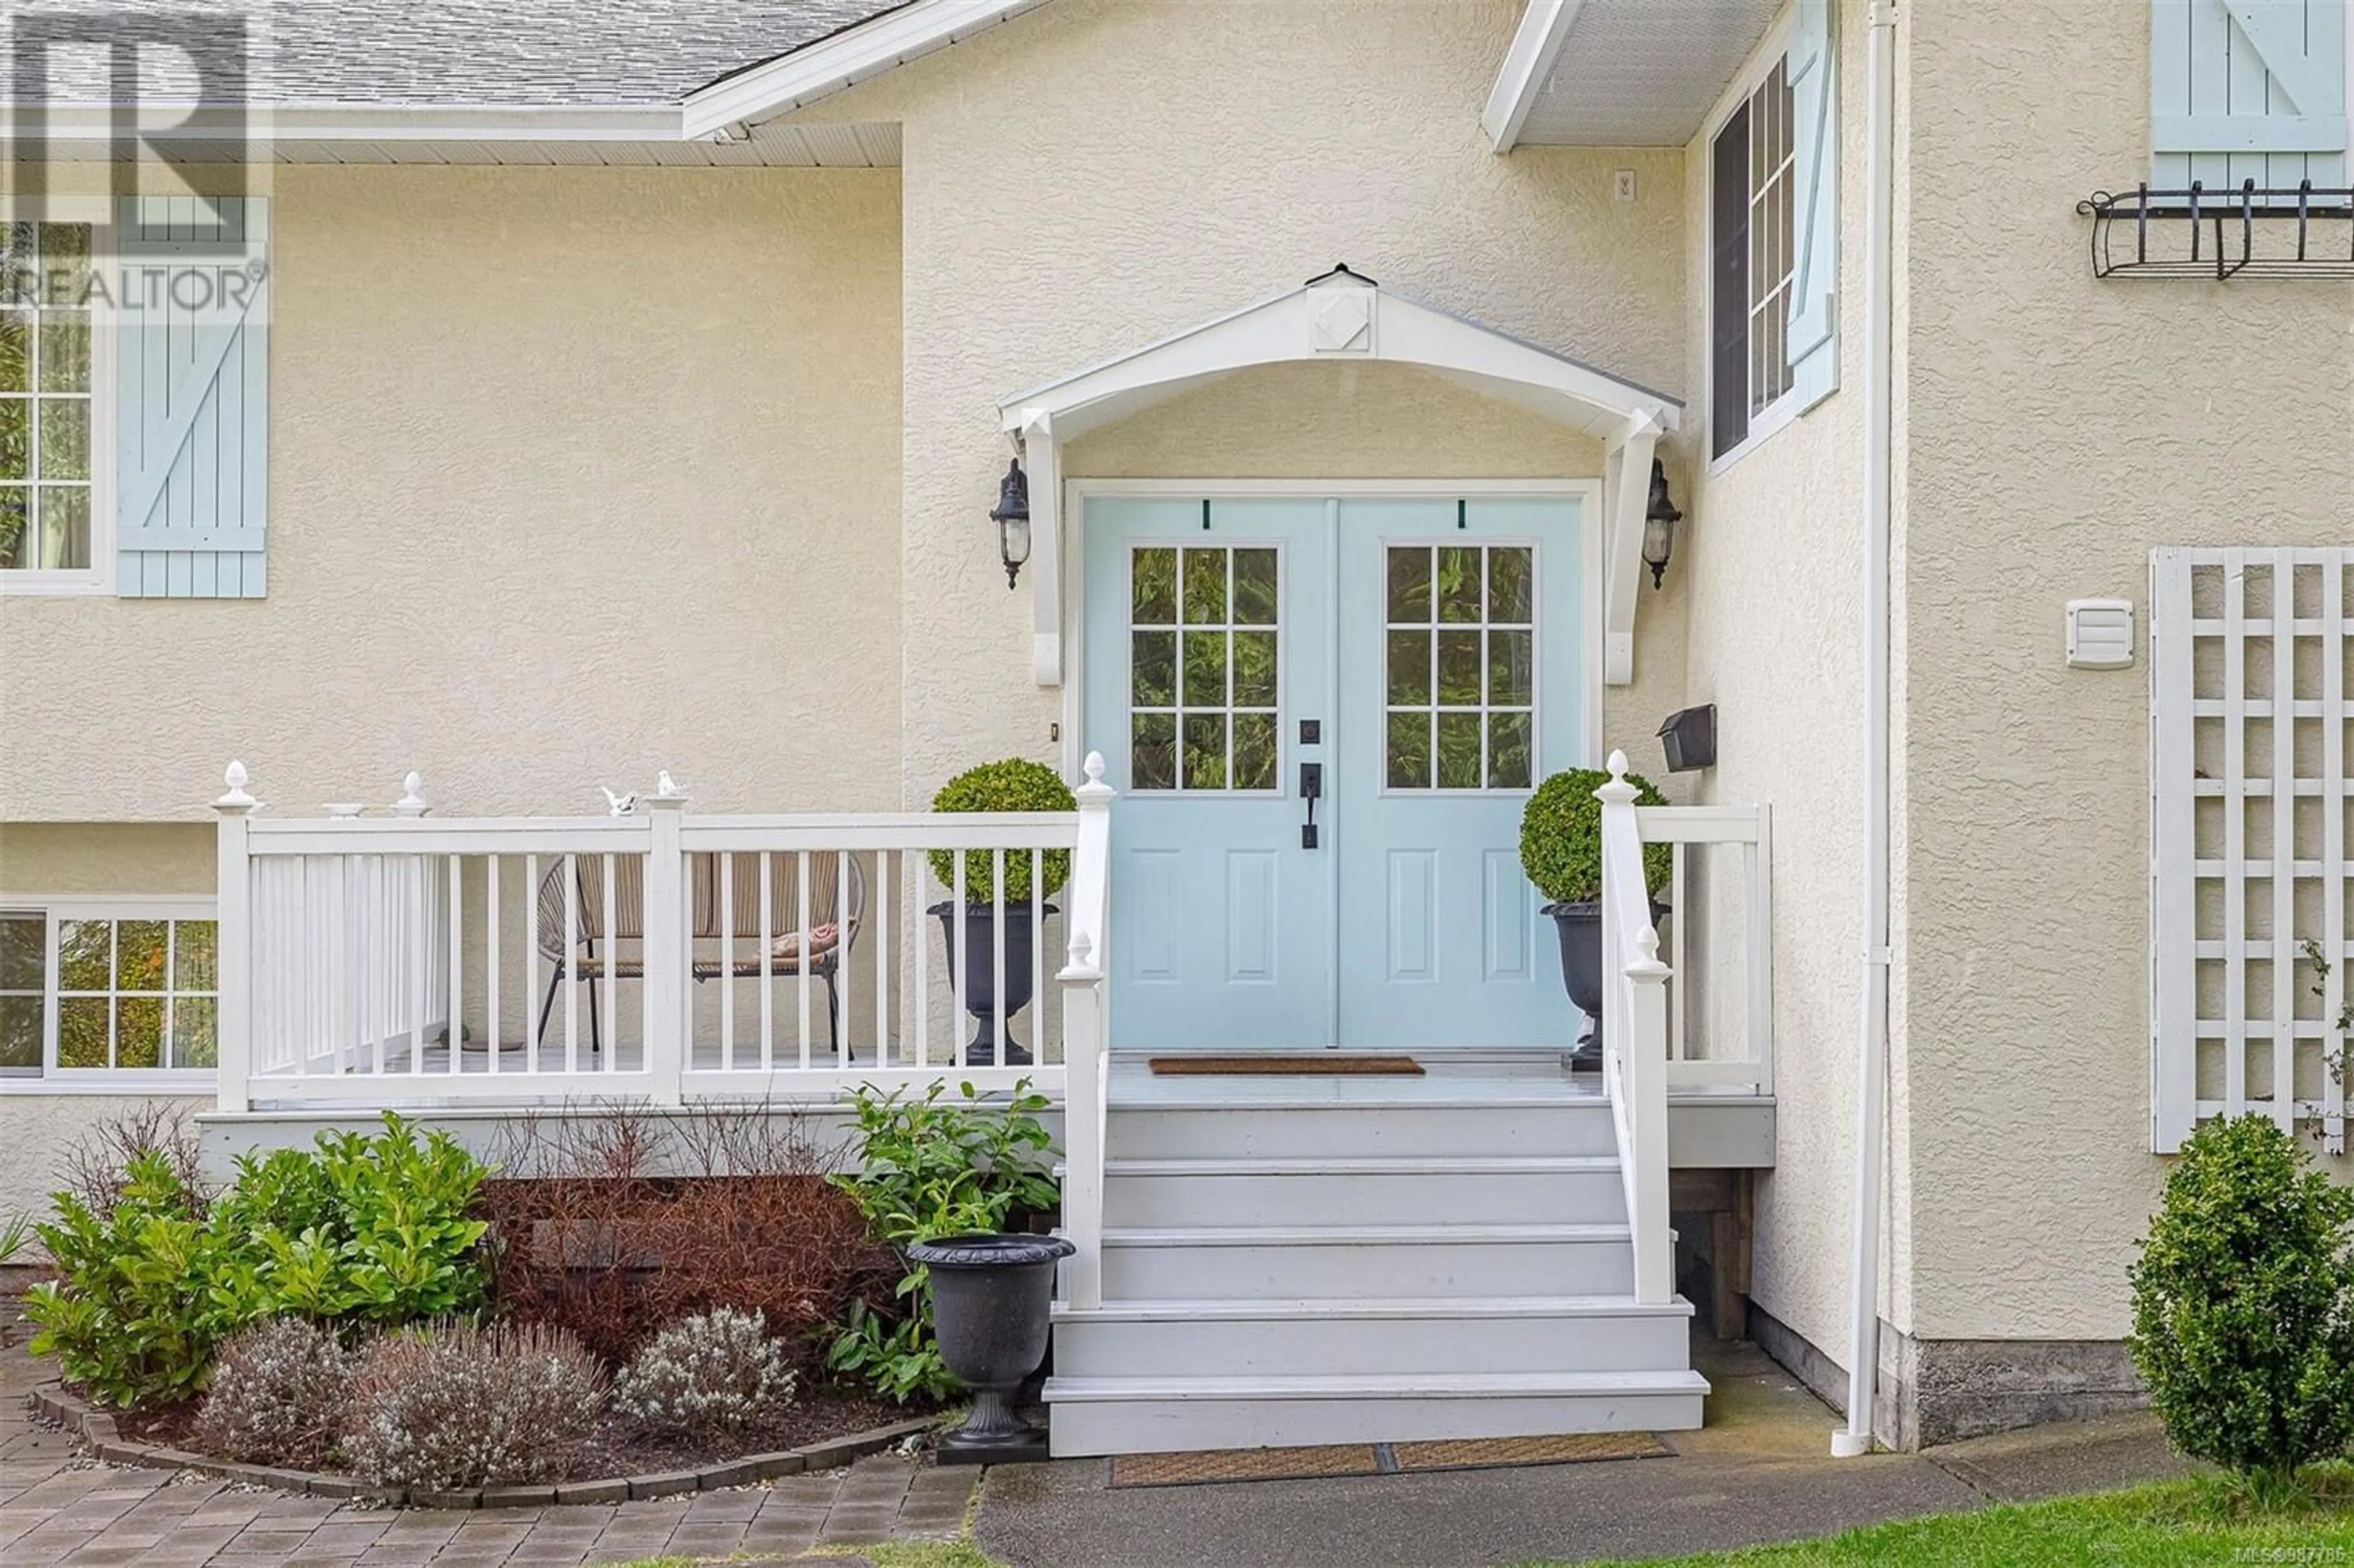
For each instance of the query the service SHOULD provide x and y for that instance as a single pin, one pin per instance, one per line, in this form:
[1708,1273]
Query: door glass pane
[1512,596]
[1205,751]
[1254,669]
[1409,585]
[1255,751]
[1155,591]
[1508,751]
[1407,750]
[1458,751]
[1511,668]
[1255,587]
[1206,669]
[1152,751]
[1152,666]
[1205,588]
[1409,679]
[1459,590]
[1458,669]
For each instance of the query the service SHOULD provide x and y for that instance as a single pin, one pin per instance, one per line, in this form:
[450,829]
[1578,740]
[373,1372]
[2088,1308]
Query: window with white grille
[2252,745]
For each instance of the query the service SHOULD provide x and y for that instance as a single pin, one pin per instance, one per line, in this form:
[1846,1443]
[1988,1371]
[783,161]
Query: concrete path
[55,1508]
[1759,1471]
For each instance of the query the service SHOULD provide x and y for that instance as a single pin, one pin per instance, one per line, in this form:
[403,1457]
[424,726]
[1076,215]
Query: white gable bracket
[1625,491]
[848,58]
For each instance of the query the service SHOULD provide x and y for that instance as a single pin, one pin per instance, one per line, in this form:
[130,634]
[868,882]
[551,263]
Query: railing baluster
[802,960]
[767,967]
[839,992]
[919,871]
[1037,956]
[493,868]
[457,963]
[1679,1031]
[531,1002]
[997,948]
[597,1041]
[420,953]
[571,971]
[879,918]
[961,923]
[726,962]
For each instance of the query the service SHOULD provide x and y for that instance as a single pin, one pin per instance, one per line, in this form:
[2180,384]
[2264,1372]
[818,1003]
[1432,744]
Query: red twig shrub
[613,1222]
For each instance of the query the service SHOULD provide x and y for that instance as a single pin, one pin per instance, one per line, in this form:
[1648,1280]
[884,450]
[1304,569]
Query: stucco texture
[2060,427]
[1095,175]
[102,859]
[575,474]
[37,1130]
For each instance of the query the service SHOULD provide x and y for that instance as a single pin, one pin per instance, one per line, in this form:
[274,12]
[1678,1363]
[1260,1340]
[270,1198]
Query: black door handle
[1312,789]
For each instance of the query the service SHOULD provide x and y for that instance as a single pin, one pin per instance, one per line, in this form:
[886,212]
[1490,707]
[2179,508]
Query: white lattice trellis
[2252,742]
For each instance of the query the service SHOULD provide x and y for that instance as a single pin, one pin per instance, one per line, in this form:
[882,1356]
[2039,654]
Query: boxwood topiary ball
[1015,784]
[1561,836]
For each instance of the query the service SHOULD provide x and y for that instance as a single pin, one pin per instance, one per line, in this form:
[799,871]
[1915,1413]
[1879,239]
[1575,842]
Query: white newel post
[1086,1059]
[668,931]
[1635,1033]
[233,938]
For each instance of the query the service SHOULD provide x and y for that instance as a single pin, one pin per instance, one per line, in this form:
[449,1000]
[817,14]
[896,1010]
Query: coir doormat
[1339,1459]
[1383,1066]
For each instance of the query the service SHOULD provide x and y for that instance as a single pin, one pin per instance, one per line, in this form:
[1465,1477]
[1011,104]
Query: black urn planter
[1579,926]
[981,937]
[991,1300]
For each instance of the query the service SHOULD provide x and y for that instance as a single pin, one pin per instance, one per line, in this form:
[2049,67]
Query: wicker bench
[736,948]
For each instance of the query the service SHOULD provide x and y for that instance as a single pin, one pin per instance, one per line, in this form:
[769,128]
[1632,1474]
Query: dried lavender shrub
[713,1374]
[456,1406]
[279,1394]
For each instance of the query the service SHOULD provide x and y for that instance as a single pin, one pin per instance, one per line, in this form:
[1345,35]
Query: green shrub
[1016,784]
[144,1292]
[2243,1305]
[359,1228]
[375,1228]
[1561,836]
[930,1168]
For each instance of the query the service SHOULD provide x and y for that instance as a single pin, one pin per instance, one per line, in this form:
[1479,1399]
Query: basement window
[1751,258]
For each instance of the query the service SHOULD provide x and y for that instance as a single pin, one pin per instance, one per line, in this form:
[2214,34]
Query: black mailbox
[1690,739]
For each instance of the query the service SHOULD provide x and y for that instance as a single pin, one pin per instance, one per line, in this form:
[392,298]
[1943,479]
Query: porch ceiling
[1621,73]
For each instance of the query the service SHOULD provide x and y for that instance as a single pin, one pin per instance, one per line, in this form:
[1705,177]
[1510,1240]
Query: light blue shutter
[192,421]
[2247,90]
[1811,64]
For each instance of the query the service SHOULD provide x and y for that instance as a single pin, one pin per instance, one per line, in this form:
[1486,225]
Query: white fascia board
[1403,330]
[165,123]
[1535,46]
[850,57]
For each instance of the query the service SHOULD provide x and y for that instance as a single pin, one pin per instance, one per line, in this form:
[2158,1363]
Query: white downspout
[1871,1055]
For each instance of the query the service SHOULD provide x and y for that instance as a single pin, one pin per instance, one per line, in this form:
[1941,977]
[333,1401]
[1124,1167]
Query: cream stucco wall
[37,1131]
[1097,175]
[100,859]
[575,474]
[2061,428]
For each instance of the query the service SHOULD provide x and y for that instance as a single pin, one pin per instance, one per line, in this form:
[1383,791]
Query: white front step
[1335,1337]
[1155,1414]
[1383,1262]
[1515,1190]
[1470,1127]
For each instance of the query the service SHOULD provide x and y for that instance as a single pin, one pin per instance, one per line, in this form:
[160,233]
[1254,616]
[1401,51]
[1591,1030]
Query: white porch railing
[1663,1024]
[657,955]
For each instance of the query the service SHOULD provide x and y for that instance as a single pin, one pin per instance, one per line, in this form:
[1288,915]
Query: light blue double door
[1413,665]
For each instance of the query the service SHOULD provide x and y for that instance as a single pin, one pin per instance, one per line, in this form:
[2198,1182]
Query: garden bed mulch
[823,1431]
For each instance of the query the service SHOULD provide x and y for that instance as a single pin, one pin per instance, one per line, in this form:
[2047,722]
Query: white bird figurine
[621,805]
[665,786]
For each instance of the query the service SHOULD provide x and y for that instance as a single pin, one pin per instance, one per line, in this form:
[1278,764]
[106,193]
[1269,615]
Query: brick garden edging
[98,1430]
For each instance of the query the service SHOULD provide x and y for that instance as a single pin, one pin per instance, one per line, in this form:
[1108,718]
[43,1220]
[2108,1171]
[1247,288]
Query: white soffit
[1621,73]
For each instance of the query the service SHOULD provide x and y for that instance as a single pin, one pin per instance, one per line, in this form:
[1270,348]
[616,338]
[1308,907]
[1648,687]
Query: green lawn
[2202,1519]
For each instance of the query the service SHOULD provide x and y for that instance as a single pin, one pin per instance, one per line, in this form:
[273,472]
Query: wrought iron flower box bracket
[2304,232]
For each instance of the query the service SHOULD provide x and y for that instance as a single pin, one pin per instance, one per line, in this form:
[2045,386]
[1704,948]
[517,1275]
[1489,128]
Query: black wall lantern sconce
[1012,515]
[1660,520]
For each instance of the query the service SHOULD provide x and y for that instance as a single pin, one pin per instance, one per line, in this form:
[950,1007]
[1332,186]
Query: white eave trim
[1536,47]
[848,58]
[166,122]
[1343,317]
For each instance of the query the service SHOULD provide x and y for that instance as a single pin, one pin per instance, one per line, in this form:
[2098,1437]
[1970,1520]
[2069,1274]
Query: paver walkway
[55,1508]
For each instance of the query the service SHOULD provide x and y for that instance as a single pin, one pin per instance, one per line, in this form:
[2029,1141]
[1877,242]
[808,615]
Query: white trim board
[1592,526]
[856,54]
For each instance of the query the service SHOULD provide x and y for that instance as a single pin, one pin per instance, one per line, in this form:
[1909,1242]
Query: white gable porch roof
[1346,317]
[1343,315]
